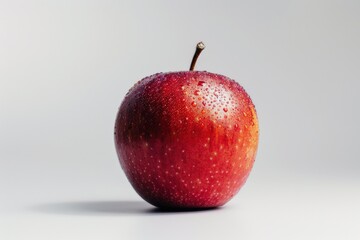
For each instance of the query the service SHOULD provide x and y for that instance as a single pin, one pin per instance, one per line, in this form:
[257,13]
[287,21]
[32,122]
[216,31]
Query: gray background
[65,67]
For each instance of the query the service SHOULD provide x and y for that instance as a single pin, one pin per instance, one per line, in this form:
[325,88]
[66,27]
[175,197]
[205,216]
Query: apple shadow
[94,208]
[108,208]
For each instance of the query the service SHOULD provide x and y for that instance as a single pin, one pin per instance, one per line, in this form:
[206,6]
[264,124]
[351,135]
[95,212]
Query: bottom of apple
[183,209]
[169,206]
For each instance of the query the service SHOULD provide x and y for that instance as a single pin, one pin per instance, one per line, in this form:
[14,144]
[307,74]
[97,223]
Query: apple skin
[187,139]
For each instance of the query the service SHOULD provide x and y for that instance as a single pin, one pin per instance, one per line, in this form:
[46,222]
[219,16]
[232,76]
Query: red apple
[187,139]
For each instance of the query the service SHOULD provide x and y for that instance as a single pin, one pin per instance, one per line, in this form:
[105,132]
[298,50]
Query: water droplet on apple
[201,83]
[193,104]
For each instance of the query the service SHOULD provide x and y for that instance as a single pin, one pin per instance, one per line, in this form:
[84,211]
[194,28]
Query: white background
[65,67]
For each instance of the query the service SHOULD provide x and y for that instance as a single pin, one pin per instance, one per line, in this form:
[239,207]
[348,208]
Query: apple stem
[199,47]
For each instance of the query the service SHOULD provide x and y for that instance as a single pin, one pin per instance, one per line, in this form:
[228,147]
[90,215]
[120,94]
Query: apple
[187,139]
